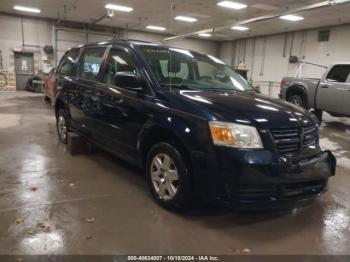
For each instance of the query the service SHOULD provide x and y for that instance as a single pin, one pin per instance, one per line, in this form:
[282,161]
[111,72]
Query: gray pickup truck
[331,93]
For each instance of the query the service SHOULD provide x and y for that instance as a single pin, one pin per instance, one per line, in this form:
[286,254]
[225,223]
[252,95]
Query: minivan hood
[247,107]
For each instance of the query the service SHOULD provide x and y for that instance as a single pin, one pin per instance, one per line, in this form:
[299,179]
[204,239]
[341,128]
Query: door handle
[324,86]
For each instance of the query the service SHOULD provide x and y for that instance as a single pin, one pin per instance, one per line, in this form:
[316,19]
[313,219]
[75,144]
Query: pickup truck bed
[292,89]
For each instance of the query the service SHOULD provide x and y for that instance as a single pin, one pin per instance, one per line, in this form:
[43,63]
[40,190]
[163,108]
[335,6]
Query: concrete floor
[48,198]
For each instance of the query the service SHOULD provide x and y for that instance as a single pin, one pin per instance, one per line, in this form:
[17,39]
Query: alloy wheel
[62,127]
[164,176]
[295,102]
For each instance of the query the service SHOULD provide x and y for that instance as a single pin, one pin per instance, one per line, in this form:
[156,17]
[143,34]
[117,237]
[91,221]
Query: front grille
[292,140]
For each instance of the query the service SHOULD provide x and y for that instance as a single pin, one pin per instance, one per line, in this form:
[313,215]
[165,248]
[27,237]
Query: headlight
[234,135]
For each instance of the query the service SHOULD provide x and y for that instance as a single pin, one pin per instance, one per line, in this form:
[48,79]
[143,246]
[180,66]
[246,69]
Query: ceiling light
[119,8]
[293,18]
[205,35]
[110,13]
[240,28]
[26,9]
[186,19]
[232,5]
[334,2]
[157,28]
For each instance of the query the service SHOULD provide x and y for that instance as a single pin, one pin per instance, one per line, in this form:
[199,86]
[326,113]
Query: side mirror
[128,80]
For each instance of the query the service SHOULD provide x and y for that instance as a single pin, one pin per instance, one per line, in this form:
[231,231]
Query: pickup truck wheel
[168,177]
[297,100]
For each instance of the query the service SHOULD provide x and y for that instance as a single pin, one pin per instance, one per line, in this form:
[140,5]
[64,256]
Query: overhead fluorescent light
[119,60]
[205,35]
[293,18]
[157,28]
[232,5]
[240,28]
[27,9]
[186,19]
[119,8]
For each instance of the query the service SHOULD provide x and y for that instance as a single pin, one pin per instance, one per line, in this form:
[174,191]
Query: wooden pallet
[11,81]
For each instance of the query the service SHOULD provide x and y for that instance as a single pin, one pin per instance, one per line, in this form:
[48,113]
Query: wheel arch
[61,102]
[154,134]
[300,90]
[157,134]
[59,105]
[296,90]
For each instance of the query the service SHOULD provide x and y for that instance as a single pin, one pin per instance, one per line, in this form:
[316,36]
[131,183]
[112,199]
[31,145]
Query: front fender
[61,99]
[191,132]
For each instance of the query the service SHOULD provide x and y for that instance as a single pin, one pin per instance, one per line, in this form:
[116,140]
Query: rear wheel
[62,127]
[3,80]
[297,100]
[47,99]
[168,177]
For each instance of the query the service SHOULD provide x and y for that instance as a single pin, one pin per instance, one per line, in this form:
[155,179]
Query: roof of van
[131,42]
[114,41]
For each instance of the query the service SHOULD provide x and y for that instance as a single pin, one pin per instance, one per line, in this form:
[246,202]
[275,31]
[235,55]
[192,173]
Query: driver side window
[117,61]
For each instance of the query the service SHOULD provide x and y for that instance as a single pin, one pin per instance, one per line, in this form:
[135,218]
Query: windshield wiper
[182,86]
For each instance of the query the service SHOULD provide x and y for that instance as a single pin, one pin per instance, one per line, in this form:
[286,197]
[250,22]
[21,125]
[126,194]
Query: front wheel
[168,177]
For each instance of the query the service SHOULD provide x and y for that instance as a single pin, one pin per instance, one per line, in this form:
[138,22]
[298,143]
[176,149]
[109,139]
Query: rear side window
[67,65]
[339,73]
[90,62]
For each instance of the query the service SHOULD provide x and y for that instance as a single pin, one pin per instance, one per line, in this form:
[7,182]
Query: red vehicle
[49,86]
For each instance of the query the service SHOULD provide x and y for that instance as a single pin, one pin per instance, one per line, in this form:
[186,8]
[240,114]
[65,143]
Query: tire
[62,125]
[47,99]
[3,80]
[161,177]
[297,100]
[318,113]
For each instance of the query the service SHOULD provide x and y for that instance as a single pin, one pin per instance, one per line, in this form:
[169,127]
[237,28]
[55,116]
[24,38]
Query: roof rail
[116,39]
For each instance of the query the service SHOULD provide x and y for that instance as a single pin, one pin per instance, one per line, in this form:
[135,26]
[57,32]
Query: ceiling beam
[230,23]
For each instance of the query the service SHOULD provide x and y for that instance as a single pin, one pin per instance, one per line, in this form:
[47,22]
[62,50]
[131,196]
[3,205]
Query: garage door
[66,39]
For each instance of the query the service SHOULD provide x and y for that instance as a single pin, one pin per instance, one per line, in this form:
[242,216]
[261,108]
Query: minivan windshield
[179,68]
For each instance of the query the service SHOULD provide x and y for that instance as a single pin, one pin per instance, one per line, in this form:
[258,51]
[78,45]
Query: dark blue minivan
[196,126]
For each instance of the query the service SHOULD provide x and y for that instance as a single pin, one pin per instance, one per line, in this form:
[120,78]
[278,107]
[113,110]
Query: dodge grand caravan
[194,125]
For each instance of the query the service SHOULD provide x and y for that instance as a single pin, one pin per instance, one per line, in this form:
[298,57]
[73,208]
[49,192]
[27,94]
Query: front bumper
[259,177]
